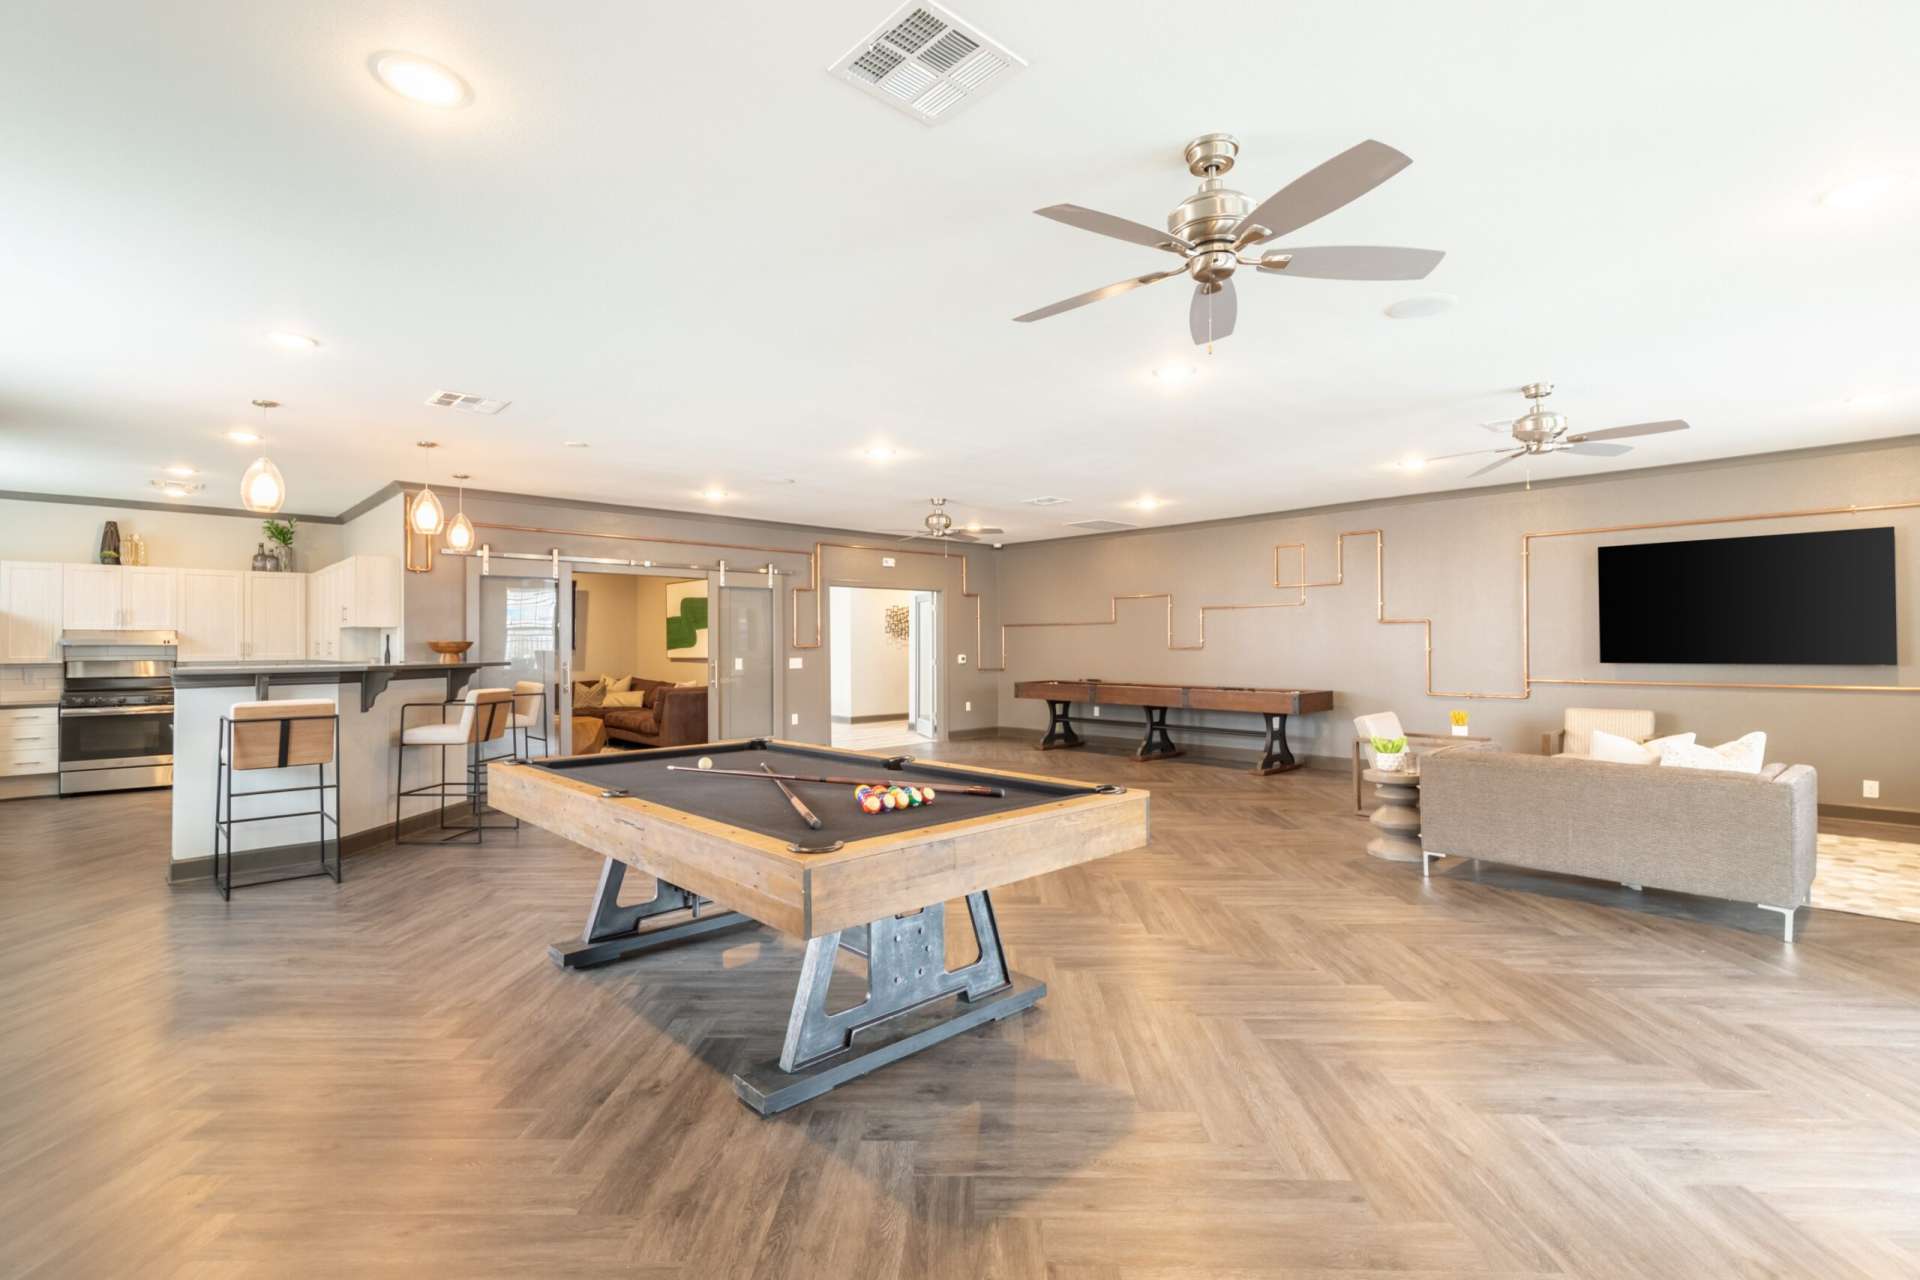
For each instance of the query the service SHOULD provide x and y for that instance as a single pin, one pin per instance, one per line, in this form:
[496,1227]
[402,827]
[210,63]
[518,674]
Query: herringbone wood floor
[1264,1054]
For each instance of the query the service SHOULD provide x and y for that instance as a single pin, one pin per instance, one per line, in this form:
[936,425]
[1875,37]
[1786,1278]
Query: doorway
[884,667]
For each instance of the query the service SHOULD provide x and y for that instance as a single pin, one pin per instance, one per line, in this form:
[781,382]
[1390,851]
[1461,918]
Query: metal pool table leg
[906,1009]
[614,932]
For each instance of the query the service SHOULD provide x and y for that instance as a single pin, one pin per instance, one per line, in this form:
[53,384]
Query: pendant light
[460,531]
[426,516]
[263,490]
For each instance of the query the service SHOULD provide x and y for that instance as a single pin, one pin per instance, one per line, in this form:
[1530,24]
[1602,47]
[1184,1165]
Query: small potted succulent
[1389,754]
[280,533]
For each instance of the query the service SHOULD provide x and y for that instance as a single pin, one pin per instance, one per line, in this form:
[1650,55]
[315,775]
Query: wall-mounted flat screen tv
[1815,598]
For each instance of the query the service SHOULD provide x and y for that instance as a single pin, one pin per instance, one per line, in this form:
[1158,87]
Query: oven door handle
[115,711]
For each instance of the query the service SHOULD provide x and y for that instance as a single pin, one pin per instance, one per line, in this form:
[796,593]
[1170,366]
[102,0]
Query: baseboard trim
[892,715]
[245,861]
[1869,813]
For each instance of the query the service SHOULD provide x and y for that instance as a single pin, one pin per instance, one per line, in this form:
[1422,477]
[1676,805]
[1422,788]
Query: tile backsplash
[30,683]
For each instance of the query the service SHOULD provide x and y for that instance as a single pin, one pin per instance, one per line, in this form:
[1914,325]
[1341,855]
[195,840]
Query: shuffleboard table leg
[615,932]
[1158,744]
[1275,756]
[1060,729]
[905,1010]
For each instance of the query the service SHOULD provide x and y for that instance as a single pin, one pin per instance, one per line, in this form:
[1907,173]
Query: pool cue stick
[799,806]
[945,789]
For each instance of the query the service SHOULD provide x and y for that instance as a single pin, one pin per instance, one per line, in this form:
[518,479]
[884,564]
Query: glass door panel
[744,657]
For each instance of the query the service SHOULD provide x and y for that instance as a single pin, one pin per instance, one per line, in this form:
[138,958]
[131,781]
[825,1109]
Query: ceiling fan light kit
[1211,230]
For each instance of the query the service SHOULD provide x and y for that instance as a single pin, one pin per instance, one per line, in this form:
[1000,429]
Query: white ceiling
[667,231]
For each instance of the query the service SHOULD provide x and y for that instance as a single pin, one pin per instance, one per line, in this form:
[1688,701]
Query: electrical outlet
[794,718]
[794,664]
[969,706]
[1096,713]
[886,562]
[963,659]
[739,664]
[1869,790]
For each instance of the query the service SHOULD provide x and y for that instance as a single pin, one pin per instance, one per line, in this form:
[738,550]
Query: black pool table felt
[757,805]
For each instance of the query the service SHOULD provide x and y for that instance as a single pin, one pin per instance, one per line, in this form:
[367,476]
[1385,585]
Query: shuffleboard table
[727,851]
[1273,706]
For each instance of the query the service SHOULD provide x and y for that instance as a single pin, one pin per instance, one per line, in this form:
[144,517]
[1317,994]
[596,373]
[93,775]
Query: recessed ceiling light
[420,80]
[1411,464]
[1858,193]
[714,495]
[1147,503]
[293,341]
[1422,306]
[240,435]
[575,444]
[1172,375]
[180,469]
[879,453]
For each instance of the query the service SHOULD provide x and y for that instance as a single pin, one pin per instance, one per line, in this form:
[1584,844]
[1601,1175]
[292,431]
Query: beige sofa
[1747,837]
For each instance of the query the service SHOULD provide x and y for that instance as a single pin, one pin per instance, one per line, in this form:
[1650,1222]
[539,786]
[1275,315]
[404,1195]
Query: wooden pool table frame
[880,897]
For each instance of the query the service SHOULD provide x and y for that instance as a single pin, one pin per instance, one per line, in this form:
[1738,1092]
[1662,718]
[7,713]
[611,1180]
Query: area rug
[1869,877]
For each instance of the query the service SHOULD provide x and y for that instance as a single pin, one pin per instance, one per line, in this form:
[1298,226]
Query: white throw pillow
[1743,755]
[1615,749]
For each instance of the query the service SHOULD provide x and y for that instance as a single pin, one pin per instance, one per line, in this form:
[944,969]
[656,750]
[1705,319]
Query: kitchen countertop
[320,668]
[372,677]
[18,704]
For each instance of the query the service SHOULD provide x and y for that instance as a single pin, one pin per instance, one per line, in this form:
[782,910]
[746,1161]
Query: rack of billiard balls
[892,799]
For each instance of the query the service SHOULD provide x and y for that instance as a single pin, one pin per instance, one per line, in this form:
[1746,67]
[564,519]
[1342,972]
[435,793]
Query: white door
[149,598]
[30,598]
[276,616]
[89,597]
[212,620]
[743,640]
[924,664]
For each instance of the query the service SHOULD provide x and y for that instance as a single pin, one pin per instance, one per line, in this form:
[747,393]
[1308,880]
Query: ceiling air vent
[470,403]
[927,62]
[1100,526]
[1044,502]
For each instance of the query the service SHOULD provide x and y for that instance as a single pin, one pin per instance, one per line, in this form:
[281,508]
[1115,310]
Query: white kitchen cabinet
[89,597]
[30,611]
[355,595]
[276,610]
[213,614]
[29,741]
[323,618]
[149,598]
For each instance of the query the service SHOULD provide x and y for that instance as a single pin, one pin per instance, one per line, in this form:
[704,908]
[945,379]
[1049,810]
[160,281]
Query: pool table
[727,852]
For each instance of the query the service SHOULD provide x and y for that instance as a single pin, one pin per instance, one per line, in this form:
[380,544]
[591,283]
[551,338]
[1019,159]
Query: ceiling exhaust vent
[925,61]
[1100,526]
[1043,502]
[470,403]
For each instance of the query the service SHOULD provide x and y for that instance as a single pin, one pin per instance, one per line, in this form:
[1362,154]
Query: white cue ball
[706,762]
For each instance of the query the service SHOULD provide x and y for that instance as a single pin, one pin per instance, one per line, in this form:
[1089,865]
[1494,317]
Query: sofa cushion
[628,698]
[1613,748]
[590,693]
[1743,755]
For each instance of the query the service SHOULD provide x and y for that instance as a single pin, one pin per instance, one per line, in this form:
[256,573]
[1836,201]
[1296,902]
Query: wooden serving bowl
[450,650]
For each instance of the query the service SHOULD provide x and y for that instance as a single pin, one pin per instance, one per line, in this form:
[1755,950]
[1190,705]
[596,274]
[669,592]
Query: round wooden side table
[1397,820]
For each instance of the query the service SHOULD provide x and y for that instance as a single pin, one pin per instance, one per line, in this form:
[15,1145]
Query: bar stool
[485,715]
[290,734]
[529,713]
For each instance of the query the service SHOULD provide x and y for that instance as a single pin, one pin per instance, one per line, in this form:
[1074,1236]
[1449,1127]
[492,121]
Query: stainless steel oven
[116,713]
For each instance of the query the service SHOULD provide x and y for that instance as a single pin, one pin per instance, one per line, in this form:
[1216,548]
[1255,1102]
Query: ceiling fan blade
[1598,450]
[958,535]
[1107,224]
[988,529]
[1502,425]
[1353,262]
[1511,455]
[1210,316]
[1318,192]
[1095,295]
[1470,453]
[1637,429]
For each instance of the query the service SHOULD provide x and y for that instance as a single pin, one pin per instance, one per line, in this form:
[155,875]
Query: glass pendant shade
[263,488]
[460,533]
[426,515]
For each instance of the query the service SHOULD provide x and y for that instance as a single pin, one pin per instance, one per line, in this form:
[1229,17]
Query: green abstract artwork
[687,621]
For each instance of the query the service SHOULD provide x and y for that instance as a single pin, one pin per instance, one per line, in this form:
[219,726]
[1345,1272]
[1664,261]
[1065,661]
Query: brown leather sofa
[672,716]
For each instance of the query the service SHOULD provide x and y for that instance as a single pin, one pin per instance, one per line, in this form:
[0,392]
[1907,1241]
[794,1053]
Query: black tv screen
[1817,598]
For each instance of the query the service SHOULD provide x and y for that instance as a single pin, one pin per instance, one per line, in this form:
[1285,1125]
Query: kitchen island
[369,696]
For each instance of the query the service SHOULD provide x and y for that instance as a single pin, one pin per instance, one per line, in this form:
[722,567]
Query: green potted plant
[280,533]
[1389,754]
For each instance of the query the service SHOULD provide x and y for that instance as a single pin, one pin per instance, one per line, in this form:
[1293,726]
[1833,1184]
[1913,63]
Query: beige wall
[1456,559]
[869,669]
[69,532]
[624,618]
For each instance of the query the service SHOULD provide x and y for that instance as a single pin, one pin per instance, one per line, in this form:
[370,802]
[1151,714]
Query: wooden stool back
[278,735]
[489,712]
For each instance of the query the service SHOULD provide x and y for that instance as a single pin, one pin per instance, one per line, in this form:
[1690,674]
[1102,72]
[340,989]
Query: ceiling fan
[1540,432]
[1208,230]
[939,526]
